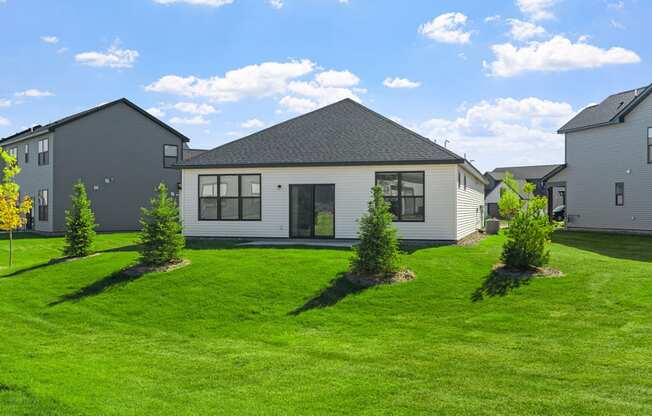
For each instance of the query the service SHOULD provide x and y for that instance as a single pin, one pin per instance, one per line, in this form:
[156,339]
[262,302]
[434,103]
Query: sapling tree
[13,211]
[510,201]
[161,241]
[378,251]
[80,224]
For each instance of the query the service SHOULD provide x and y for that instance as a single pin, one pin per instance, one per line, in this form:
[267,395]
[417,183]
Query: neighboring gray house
[118,150]
[608,170]
[311,177]
[533,174]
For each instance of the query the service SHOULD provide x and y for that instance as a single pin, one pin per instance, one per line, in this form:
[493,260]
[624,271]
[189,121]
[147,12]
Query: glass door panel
[301,211]
[324,211]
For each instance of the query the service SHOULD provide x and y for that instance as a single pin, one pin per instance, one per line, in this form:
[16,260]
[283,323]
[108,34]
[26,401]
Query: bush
[80,224]
[161,240]
[528,235]
[377,252]
[510,202]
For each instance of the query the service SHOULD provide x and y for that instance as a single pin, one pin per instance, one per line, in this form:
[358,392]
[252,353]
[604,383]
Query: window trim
[26,154]
[400,190]
[622,204]
[41,217]
[165,158]
[43,156]
[239,197]
[649,145]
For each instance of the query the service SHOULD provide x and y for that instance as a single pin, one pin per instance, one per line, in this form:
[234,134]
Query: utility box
[492,226]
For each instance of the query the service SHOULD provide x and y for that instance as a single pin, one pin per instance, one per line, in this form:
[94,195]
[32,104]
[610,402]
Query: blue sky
[494,78]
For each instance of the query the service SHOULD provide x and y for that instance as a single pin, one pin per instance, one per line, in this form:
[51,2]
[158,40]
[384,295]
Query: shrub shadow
[620,246]
[340,287]
[119,278]
[497,284]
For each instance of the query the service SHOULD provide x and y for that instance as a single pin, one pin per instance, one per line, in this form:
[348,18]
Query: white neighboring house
[311,177]
[608,170]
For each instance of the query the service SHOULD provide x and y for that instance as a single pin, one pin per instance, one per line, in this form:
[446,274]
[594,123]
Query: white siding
[352,192]
[469,204]
[600,157]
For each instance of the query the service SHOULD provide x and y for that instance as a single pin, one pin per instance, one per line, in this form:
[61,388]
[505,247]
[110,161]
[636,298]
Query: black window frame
[399,193]
[621,194]
[43,205]
[43,155]
[26,157]
[239,198]
[169,161]
[649,145]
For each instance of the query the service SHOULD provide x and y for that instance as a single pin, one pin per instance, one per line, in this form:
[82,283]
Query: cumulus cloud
[192,121]
[50,39]
[114,57]
[297,105]
[537,9]
[447,28]
[308,95]
[210,3]
[493,18]
[253,123]
[277,4]
[400,83]
[156,112]
[32,93]
[556,54]
[337,79]
[505,131]
[194,108]
[523,31]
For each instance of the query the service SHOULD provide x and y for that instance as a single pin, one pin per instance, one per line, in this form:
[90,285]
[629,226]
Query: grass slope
[273,331]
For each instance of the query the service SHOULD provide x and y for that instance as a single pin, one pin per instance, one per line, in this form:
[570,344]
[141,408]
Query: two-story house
[608,169]
[120,152]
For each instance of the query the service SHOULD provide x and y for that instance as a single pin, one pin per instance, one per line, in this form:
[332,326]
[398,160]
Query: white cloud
[266,79]
[50,39]
[33,93]
[5,103]
[556,54]
[320,95]
[400,83]
[156,112]
[447,28]
[618,5]
[344,1]
[4,121]
[493,18]
[522,31]
[114,57]
[194,121]
[537,9]
[337,79]
[616,24]
[277,4]
[505,131]
[210,3]
[253,123]
[194,108]
[297,105]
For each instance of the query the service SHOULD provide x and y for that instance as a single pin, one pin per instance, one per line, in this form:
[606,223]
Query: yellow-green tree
[13,211]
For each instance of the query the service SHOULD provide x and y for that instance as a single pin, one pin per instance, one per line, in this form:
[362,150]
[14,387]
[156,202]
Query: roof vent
[636,92]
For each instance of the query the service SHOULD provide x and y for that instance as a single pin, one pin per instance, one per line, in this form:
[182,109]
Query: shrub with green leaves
[529,234]
[510,202]
[80,224]
[378,251]
[161,241]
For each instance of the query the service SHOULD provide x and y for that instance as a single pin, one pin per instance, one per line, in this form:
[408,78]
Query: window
[170,155]
[26,153]
[620,194]
[465,182]
[459,180]
[404,192]
[43,152]
[229,198]
[13,152]
[649,145]
[43,205]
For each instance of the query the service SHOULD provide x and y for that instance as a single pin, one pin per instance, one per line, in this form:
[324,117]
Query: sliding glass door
[312,211]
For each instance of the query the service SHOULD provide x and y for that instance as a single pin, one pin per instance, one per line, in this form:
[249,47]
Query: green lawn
[249,331]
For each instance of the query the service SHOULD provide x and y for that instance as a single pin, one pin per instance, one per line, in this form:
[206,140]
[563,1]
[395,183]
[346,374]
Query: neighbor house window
[43,205]
[26,153]
[13,152]
[170,155]
[404,192]
[649,145]
[44,152]
[229,197]
[620,194]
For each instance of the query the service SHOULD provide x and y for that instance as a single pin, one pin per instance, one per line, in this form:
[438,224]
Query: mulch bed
[141,269]
[539,272]
[383,279]
[472,239]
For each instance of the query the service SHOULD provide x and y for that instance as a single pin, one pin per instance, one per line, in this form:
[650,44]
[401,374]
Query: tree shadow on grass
[496,284]
[340,287]
[619,246]
[119,278]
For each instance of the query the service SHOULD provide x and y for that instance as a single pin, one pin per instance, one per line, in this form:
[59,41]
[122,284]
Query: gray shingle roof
[524,172]
[343,133]
[608,111]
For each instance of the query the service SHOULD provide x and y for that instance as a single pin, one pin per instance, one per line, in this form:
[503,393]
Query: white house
[608,170]
[311,177]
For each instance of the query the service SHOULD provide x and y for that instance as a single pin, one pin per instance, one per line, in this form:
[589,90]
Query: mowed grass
[236,333]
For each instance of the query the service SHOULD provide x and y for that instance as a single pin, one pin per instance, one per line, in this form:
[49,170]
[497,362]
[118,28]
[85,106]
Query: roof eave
[315,164]
[592,126]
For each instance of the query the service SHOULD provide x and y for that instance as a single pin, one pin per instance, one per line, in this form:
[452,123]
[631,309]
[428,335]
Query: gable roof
[524,172]
[611,110]
[53,125]
[343,133]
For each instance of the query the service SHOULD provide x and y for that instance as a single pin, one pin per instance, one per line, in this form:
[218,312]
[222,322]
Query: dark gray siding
[117,143]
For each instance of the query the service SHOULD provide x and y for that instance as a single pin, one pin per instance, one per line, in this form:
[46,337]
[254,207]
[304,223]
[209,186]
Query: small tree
[378,250]
[161,239]
[529,234]
[510,201]
[80,224]
[13,211]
